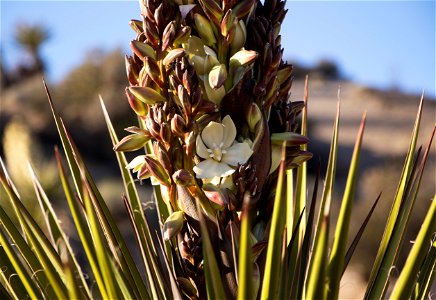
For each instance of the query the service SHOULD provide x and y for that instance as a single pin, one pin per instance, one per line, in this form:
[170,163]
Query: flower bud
[136,163]
[152,70]
[173,225]
[296,161]
[217,76]
[216,194]
[214,95]
[152,127]
[157,170]
[131,70]
[142,49]
[132,142]
[159,15]
[146,95]
[182,36]
[227,23]
[168,35]
[173,55]
[138,107]
[284,74]
[243,57]
[184,99]
[204,29]
[243,8]
[165,133]
[136,25]
[178,126]
[190,144]
[291,139]
[212,10]
[183,177]
[239,38]
[254,115]
[210,61]
[150,32]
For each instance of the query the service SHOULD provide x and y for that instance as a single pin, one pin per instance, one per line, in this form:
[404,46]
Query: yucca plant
[223,147]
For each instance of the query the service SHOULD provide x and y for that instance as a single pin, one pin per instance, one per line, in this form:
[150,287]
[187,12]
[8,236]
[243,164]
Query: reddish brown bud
[168,35]
[178,126]
[183,177]
[138,107]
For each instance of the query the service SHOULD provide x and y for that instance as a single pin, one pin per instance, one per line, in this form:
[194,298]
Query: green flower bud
[217,76]
[204,29]
[173,225]
[291,139]
[254,115]
[242,58]
[182,36]
[284,74]
[172,55]
[239,38]
[146,95]
[132,142]
[138,107]
[142,49]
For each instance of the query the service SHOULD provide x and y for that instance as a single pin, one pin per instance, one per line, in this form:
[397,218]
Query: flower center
[217,152]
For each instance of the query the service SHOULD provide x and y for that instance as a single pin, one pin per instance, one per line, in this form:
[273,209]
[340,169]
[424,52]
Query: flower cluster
[211,92]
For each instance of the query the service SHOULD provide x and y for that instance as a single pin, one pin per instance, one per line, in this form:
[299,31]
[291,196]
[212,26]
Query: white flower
[221,152]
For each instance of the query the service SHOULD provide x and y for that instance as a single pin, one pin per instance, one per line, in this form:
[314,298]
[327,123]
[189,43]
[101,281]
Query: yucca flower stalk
[211,91]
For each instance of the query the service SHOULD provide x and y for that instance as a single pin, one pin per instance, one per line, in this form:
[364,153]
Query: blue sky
[377,43]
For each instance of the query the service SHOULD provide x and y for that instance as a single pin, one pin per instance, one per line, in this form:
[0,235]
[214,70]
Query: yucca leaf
[245,262]
[427,274]
[337,255]
[289,266]
[304,255]
[8,291]
[315,288]
[271,278]
[58,235]
[212,274]
[39,250]
[393,234]
[405,283]
[73,284]
[301,185]
[324,210]
[81,226]
[28,282]
[100,247]
[12,286]
[176,293]
[359,234]
[138,217]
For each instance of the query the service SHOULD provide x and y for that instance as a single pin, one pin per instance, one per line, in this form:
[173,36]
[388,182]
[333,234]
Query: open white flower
[221,152]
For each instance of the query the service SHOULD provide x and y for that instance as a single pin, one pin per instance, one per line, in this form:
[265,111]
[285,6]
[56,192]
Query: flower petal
[210,168]
[201,148]
[229,132]
[139,160]
[213,134]
[237,153]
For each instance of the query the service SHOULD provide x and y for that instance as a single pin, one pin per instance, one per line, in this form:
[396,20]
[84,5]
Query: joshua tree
[31,37]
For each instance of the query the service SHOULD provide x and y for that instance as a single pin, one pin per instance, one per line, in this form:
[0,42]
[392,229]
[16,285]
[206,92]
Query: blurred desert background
[28,133]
